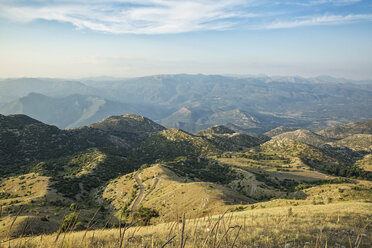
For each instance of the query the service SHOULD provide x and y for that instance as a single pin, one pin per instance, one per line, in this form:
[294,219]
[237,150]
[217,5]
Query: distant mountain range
[193,102]
[74,110]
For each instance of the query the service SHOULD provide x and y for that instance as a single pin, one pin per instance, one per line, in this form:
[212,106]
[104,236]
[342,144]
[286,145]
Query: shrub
[144,215]
[237,209]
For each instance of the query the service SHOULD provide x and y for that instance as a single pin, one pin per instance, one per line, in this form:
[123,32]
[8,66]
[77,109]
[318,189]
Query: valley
[250,104]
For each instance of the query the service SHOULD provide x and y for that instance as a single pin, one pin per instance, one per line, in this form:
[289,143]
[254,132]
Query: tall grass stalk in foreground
[336,225]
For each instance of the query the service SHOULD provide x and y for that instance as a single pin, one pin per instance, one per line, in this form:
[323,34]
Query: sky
[128,38]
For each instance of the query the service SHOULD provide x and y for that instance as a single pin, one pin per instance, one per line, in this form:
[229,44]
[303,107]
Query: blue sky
[125,38]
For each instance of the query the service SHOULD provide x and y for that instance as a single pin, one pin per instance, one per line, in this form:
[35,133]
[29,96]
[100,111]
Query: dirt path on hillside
[153,187]
[140,196]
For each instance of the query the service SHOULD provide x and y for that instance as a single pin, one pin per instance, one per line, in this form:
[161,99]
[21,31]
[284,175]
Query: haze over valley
[193,102]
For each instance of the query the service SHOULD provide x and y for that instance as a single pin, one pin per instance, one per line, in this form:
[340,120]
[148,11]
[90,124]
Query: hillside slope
[356,142]
[172,195]
[342,131]
[304,136]
[172,143]
[24,140]
[226,139]
[279,130]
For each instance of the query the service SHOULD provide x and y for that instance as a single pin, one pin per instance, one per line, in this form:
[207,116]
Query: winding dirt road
[156,180]
[140,196]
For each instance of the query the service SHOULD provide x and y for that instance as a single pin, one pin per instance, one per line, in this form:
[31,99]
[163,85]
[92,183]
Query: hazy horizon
[108,77]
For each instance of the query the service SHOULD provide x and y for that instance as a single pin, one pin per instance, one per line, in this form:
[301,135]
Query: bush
[144,215]
[238,209]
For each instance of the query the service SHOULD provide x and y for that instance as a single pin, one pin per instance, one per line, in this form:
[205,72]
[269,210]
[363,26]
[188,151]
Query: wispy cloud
[317,20]
[140,17]
[172,16]
[336,2]
[317,2]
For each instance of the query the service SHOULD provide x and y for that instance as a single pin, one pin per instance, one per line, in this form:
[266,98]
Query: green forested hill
[23,139]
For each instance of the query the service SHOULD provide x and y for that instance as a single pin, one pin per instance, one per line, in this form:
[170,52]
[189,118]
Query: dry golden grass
[327,214]
[31,194]
[24,187]
[27,188]
[296,170]
[172,196]
[118,191]
[339,224]
[366,162]
[24,225]
[246,181]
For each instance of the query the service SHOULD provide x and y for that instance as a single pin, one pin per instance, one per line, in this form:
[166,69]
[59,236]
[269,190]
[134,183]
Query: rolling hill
[24,140]
[342,131]
[304,136]
[356,142]
[172,143]
[226,139]
[279,130]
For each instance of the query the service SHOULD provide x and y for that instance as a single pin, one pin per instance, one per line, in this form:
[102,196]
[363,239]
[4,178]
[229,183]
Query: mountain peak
[129,123]
[174,133]
[17,121]
[184,110]
[133,116]
[280,130]
[218,129]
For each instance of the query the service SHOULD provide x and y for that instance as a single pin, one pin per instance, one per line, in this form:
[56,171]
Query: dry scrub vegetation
[342,224]
[172,195]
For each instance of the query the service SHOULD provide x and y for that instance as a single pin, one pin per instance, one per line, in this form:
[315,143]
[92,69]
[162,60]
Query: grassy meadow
[341,224]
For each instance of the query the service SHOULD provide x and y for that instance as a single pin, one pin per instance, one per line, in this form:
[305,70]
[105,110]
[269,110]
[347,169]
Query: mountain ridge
[281,101]
[342,131]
